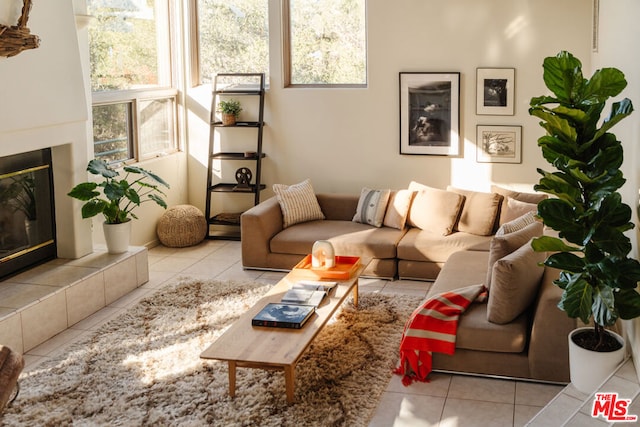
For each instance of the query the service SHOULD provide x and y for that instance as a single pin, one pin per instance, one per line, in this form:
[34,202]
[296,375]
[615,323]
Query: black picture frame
[430,113]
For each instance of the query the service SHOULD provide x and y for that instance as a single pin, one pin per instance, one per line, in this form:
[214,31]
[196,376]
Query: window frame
[169,67]
[286,55]
[133,97]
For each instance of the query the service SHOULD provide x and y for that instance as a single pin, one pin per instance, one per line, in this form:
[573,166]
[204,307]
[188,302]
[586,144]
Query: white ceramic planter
[117,237]
[590,368]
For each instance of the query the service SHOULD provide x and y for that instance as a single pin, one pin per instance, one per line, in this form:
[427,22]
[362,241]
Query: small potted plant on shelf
[230,110]
[598,278]
[116,197]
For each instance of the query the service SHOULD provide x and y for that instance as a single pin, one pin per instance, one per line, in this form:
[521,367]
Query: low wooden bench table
[247,346]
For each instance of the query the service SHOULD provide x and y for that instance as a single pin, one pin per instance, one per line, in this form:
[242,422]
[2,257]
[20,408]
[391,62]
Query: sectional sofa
[451,236]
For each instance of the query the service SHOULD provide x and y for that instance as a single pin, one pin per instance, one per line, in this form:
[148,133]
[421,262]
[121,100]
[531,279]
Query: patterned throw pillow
[517,224]
[298,203]
[372,206]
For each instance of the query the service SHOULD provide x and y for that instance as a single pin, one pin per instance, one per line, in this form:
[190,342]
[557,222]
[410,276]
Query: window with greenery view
[326,42]
[233,37]
[134,109]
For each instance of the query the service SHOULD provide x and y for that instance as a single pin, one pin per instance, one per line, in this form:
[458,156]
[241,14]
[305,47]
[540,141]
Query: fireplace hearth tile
[120,279]
[20,295]
[54,275]
[44,320]
[85,298]
[11,332]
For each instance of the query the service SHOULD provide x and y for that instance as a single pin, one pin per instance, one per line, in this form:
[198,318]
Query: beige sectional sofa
[447,236]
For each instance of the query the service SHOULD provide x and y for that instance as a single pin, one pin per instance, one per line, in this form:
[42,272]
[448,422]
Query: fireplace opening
[27,225]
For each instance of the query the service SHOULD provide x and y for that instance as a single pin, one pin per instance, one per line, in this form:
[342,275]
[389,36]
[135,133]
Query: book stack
[296,306]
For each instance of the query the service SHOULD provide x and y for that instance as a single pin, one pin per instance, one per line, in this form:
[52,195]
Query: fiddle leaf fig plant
[116,197]
[598,278]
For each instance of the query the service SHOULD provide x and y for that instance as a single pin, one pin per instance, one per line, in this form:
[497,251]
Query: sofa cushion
[420,245]
[479,211]
[298,203]
[516,208]
[517,195]
[504,244]
[517,224]
[347,237]
[398,208]
[475,332]
[372,206]
[514,284]
[434,210]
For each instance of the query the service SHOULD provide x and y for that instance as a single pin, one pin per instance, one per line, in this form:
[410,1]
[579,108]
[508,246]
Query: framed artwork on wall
[495,91]
[430,113]
[499,144]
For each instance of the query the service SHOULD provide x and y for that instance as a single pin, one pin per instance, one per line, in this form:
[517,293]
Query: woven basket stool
[11,364]
[181,226]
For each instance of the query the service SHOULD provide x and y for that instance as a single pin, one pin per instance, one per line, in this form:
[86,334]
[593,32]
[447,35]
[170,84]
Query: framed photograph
[430,113]
[495,91]
[499,144]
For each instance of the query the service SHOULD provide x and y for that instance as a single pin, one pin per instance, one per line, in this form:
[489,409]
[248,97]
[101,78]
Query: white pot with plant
[598,278]
[116,198]
[230,110]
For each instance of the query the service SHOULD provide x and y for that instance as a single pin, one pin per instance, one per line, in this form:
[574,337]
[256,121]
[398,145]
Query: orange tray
[345,268]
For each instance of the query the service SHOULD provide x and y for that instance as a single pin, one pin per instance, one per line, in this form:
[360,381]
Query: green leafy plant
[117,197]
[598,278]
[230,107]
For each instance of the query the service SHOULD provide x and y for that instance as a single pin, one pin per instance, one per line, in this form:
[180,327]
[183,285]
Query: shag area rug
[143,368]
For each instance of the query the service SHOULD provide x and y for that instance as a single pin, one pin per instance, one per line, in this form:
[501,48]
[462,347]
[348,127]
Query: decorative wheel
[243,176]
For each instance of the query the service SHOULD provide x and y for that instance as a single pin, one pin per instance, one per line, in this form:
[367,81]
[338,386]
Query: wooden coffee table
[246,346]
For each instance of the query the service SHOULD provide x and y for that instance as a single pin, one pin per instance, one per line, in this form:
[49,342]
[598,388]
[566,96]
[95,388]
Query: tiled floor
[447,401]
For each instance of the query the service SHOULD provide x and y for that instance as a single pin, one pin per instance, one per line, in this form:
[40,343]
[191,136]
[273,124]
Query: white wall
[619,35]
[43,104]
[344,139]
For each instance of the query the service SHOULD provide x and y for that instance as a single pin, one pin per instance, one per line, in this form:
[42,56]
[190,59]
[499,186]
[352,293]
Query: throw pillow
[298,203]
[398,208]
[516,208]
[433,209]
[514,284]
[479,212]
[523,197]
[372,206]
[517,224]
[504,244]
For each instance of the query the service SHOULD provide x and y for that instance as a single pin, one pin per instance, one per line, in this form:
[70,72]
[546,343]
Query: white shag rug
[143,368]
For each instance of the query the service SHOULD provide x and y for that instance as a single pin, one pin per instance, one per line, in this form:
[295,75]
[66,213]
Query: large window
[325,42]
[233,37]
[134,105]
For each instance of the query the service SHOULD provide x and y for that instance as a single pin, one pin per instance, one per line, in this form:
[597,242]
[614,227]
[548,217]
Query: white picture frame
[495,91]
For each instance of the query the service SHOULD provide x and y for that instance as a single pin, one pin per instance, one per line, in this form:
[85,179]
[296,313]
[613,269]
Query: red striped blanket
[432,327]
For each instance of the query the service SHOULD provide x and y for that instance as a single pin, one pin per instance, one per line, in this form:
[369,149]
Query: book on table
[283,315]
[308,292]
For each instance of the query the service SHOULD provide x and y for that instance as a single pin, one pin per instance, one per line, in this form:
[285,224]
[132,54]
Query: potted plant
[230,110]
[598,278]
[116,198]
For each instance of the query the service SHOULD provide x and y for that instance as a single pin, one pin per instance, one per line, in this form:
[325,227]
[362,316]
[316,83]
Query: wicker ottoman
[11,364]
[181,226]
